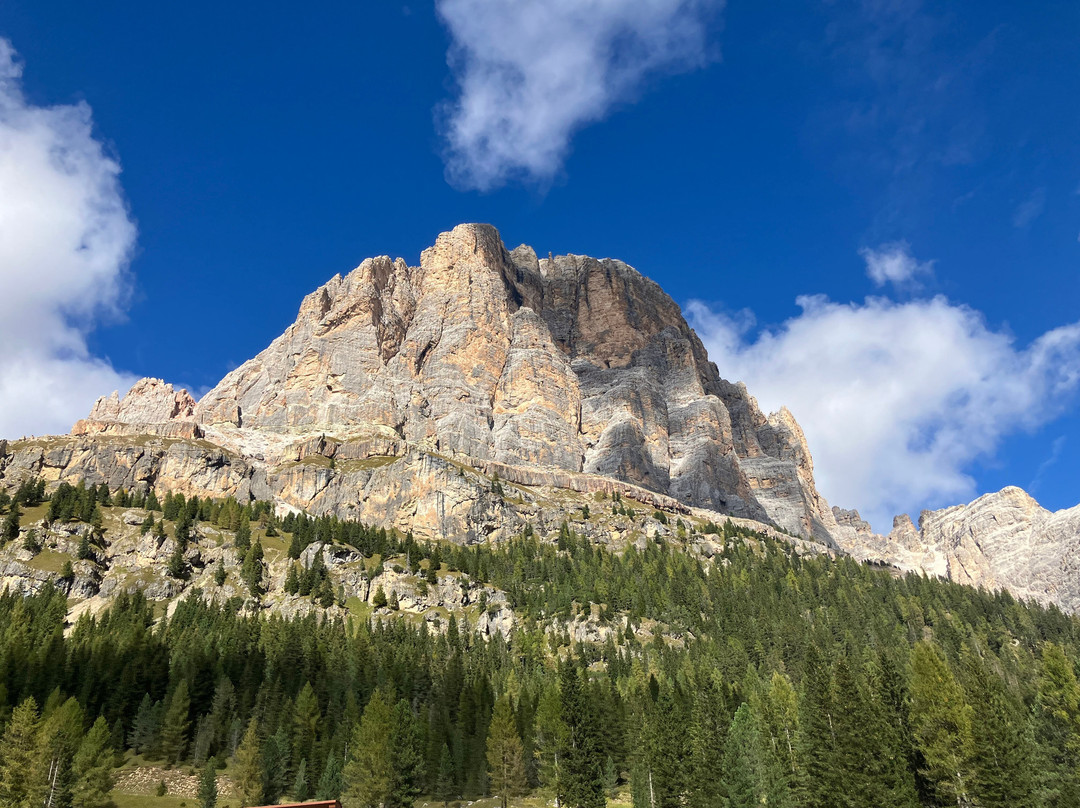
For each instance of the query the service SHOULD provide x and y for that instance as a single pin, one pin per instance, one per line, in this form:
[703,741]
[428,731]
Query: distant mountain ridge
[569,372]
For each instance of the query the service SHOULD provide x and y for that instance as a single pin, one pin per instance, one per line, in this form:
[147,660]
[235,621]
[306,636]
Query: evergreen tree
[306,719]
[369,774]
[175,725]
[1002,755]
[941,722]
[301,789]
[292,580]
[582,780]
[378,601]
[92,768]
[10,529]
[22,783]
[144,727]
[446,782]
[750,774]
[330,782]
[406,758]
[247,768]
[1058,726]
[219,574]
[208,791]
[295,549]
[817,781]
[506,764]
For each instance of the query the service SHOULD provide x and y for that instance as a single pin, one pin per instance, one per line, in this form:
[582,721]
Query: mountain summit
[401,392]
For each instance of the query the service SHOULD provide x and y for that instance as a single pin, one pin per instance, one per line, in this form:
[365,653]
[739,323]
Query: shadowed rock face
[569,363]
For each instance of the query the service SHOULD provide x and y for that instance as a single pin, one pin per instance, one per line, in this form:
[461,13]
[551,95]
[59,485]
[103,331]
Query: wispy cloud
[898,400]
[531,73]
[1030,209]
[65,241]
[893,263]
[1056,448]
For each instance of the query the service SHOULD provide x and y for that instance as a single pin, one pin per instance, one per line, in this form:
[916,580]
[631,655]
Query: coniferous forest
[763,678]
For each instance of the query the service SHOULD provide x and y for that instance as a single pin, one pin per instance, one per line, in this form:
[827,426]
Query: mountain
[404,396]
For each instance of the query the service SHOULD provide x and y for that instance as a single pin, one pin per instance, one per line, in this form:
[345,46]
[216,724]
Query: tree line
[756,677]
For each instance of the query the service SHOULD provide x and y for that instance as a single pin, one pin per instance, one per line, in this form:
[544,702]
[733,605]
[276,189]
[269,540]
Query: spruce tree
[92,768]
[1057,723]
[751,776]
[143,728]
[582,781]
[22,781]
[369,774]
[1002,755]
[175,725]
[208,792]
[301,789]
[330,782]
[506,764]
[446,781]
[406,758]
[247,771]
[941,722]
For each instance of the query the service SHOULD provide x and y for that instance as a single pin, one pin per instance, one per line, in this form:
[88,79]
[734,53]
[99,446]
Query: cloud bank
[530,73]
[65,241]
[897,399]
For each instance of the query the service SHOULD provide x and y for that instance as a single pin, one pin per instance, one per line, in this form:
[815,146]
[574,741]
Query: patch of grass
[48,561]
[358,608]
[121,800]
[367,463]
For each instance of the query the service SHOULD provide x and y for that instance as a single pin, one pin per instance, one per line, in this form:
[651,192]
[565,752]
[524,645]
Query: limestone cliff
[572,366]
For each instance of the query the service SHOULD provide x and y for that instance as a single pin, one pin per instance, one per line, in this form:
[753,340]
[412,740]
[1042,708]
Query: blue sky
[870,210]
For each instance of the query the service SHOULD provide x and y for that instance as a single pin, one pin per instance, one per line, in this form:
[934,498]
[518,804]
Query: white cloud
[533,72]
[893,263]
[897,400]
[65,240]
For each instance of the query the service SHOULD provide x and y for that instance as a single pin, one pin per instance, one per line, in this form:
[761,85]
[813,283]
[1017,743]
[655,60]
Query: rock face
[1004,540]
[150,407]
[401,391]
[570,364]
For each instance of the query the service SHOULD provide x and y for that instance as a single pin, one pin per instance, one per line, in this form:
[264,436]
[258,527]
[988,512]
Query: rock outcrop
[401,392]
[1004,540]
[569,364]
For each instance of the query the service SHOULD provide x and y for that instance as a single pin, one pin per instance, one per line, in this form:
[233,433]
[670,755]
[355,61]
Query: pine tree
[446,782]
[10,529]
[92,768]
[22,781]
[306,719]
[292,580]
[219,574]
[750,775]
[817,781]
[175,725]
[369,773]
[208,792]
[295,548]
[379,599]
[247,771]
[330,782]
[506,764]
[1058,726]
[1002,755]
[941,722]
[301,789]
[582,781]
[143,728]
[406,758]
